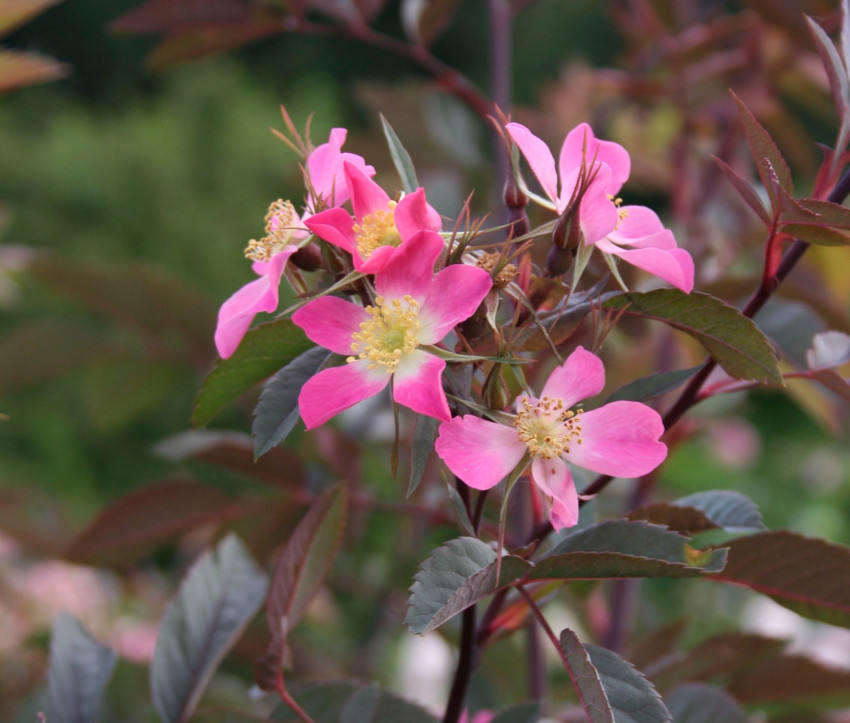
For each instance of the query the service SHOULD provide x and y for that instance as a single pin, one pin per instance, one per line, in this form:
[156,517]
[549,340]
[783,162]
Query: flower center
[546,428]
[390,333]
[376,230]
[281,223]
[622,213]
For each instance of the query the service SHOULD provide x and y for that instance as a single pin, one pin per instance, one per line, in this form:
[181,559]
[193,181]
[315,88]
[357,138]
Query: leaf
[521,713]
[700,703]
[14,13]
[732,339]
[264,350]
[836,72]
[423,445]
[460,510]
[586,680]
[80,668]
[183,47]
[806,575]
[137,523]
[361,705]
[425,20]
[686,520]
[454,577]
[631,696]
[300,571]
[216,600]
[277,412]
[180,16]
[786,678]
[746,191]
[816,234]
[656,645]
[401,158]
[731,510]
[19,69]
[622,548]
[770,164]
[652,386]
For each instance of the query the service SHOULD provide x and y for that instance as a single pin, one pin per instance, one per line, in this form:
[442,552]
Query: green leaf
[700,703]
[326,703]
[80,668]
[819,222]
[653,385]
[138,522]
[423,445]
[732,339]
[746,191]
[277,411]
[521,713]
[264,350]
[631,696]
[586,680]
[216,600]
[455,576]
[460,510]
[771,166]
[361,705]
[300,571]
[806,575]
[731,510]
[401,158]
[622,548]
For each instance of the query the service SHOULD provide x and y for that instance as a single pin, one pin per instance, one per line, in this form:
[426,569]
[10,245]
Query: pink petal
[581,376]
[330,322]
[418,384]
[553,477]
[620,439]
[454,296]
[675,266]
[539,158]
[334,226]
[413,214]
[481,453]
[366,195]
[612,154]
[638,222]
[334,390]
[411,267]
[598,213]
[324,169]
[237,313]
[377,260]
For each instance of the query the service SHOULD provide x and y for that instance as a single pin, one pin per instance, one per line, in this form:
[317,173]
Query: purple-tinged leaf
[585,679]
[521,713]
[833,381]
[701,703]
[656,645]
[746,191]
[80,668]
[420,452]
[184,47]
[14,13]
[216,601]
[731,510]
[732,339]
[183,16]
[836,72]
[788,677]
[654,385]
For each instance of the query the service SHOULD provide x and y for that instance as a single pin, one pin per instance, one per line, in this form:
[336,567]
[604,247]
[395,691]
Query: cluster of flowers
[410,309]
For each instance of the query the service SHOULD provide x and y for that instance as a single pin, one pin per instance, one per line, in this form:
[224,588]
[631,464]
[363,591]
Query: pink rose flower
[380,228]
[413,308]
[632,233]
[618,439]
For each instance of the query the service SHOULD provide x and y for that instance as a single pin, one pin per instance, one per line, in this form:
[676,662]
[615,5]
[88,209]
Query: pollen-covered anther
[546,428]
[281,223]
[389,335]
[376,230]
[504,275]
[622,213]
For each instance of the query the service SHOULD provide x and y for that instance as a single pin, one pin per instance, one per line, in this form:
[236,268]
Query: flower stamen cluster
[376,230]
[391,333]
[547,428]
[502,277]
[282,221]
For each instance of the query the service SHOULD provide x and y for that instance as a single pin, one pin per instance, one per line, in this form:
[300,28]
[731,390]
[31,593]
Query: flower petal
[598,213]
[481,453]
[334,390]
[418,384]
[611,154]
[366,195]
[330,322]
[454,296]
[237,313]
[539,158]
[581,376]
[324,169]
[637,222]
[411,267]
[620,439]
[334,226]
[553,477]
[675,266]
[413,214]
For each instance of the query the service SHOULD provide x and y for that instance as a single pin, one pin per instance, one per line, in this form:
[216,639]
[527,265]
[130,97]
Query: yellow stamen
[281,223]
[376,230]
[622,213]
[391,333]
[546,428]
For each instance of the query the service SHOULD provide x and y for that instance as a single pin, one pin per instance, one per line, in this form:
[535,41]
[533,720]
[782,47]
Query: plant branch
[465,664]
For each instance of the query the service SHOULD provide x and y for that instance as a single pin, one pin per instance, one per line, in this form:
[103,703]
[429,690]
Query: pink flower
[482,716]
[380,229]
[413,308]
[283,225]
[633,233]
[619,439]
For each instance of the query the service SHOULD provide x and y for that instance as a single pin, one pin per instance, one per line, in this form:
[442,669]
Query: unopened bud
[307,258]
[559,261]
[514,197]
[518,220]
[567,233]
[495,391]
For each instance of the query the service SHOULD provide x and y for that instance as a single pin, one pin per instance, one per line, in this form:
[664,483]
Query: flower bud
[495,391]
[559,261]
[513,195]
[307,258]
[567,233]
[518,220]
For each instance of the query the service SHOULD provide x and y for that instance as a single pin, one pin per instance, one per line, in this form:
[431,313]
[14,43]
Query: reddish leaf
[790,678]
[183,16]
[19,69]
[183,47]
[819,235]
[138,522]
[14,13]
[807,575]
[656,645]
[837,75]
[679,519]
[746,191]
